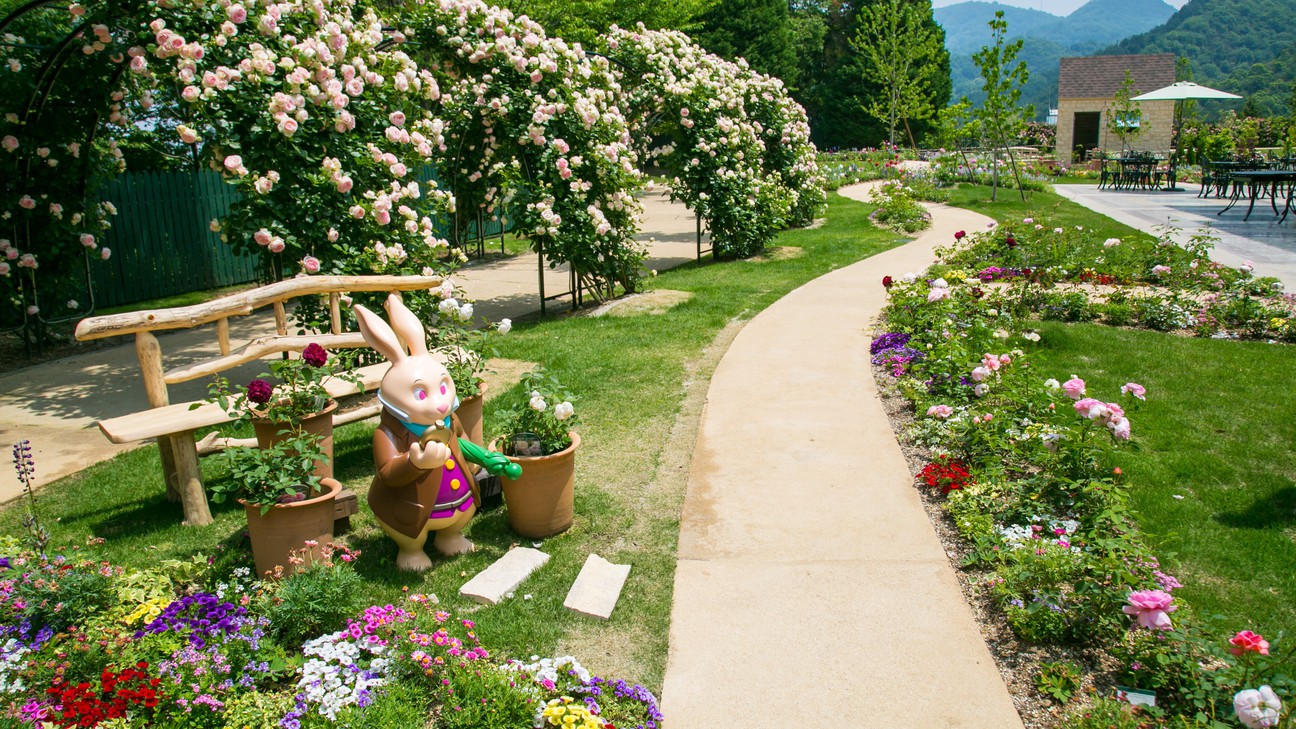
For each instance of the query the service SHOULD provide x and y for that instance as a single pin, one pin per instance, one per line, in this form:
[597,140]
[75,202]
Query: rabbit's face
[421,387]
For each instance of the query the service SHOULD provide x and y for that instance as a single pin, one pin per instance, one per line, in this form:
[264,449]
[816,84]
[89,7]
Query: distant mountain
[1244,46]
[1047,38]
[965,24]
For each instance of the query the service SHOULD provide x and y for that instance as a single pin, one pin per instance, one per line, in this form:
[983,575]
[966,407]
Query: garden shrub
[314,600]
[1103,714]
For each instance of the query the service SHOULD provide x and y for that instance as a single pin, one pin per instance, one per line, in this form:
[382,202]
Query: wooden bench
[173,424]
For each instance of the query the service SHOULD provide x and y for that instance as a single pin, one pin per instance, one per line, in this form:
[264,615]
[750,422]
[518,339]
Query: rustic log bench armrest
[174,424]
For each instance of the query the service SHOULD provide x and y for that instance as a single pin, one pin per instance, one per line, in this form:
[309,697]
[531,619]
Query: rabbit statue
[423,483]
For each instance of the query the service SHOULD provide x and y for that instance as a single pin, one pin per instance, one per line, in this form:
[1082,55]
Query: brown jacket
[402,495]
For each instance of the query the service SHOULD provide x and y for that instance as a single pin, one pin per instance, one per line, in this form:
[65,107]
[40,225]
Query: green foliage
[257,709]
[1124,116]
[1244,46]
[1103,714]
[281,473]
[1059,680]
[898,208]
[1001,118]
[398,704]
[759,31]
[315,600]
[62,598]
[483,697]
[584,21]
[544,410]
[902,50]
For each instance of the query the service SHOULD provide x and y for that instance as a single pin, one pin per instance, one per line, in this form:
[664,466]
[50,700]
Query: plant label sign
[1135,697]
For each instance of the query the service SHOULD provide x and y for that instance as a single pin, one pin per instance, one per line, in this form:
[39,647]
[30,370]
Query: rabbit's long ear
[379,335]
[407,326]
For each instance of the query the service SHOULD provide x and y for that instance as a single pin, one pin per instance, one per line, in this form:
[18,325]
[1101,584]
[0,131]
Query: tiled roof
[1098,77]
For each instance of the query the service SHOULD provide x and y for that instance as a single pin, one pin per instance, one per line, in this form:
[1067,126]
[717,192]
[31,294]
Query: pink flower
[1246,641]
[190,93]
[980,373]
[397,118]
[1074,388]
[10,142]
[344,184]
[311,264]
[276,245]
[4,268]
[936,294]
[236,13]
[357,211]
[287,126]
[1091,408]
[233,162]
[262,237]
[105,253]
[87,240]
[26,202]
[27,260]
[1135,389]
[940,411]
[1152,608]
[1160,270]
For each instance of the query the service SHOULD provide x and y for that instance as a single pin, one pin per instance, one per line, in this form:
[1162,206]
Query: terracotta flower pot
[287,527]
[540,503]
[320,424]
[470,414]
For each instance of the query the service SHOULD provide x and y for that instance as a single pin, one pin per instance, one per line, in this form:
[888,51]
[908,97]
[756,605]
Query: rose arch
[322,114]
[735,144]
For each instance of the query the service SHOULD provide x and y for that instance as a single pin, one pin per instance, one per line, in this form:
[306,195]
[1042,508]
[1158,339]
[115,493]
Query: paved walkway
[1261,239]
[810,586]
[55,405]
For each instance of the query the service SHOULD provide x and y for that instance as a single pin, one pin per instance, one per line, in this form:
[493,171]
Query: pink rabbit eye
[443,388]
[420,394]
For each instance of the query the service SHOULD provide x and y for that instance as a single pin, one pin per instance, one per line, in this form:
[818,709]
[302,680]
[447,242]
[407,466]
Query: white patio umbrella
[1183,91]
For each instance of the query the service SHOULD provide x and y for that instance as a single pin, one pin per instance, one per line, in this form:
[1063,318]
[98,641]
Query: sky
[1057,7]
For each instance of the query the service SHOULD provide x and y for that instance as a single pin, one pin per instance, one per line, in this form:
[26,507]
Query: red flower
[887,281]
[314,355]
[1246,641]
[1011,241]
[947,474]
[259,391]
[960,235]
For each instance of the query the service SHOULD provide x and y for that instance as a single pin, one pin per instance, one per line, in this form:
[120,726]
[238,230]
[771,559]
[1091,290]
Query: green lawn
[630,374]
[1217,430]
[1051,207]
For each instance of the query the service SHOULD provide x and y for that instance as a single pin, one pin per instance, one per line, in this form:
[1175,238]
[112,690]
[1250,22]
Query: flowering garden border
[1024,464]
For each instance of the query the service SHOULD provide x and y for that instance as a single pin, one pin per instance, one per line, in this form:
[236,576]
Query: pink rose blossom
[980,373]
[1246,641]
[936,294]
[26,202]
[233,162]
[397,118]
[11,253]
[87,240]
[105,253]
[262,237]
[190,93]
[26,261]
[311,264]
[1257,708]
[344,184]
[10,142]
[1074,388]
[1152,608]
[4,268]
[236,13]
[1135,389]
[276,245]
[357,212]
[940,411]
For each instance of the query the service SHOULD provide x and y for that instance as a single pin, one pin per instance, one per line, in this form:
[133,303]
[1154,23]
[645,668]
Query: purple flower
[314,355]
[259,391]
[890,340]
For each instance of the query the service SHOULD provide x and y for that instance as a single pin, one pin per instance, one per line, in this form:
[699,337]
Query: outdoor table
[1259,182]
[1136,172]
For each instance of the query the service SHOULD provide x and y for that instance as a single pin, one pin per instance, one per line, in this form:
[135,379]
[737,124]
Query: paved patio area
[1261,239]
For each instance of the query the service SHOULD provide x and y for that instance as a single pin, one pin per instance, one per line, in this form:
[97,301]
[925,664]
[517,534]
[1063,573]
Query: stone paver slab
[494,583]
[597,588]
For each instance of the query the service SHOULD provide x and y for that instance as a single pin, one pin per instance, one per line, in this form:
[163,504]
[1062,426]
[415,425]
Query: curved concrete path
[810,585]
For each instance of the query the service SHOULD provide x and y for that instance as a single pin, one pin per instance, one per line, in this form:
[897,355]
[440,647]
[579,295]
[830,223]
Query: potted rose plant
[465,348]
[538,435]
[300,402]
[288,505]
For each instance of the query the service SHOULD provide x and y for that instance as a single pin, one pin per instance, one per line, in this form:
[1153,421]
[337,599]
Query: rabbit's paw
[451,544]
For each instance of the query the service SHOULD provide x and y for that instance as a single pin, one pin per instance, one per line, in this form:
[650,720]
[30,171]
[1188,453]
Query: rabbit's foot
[413,561]
[450,544]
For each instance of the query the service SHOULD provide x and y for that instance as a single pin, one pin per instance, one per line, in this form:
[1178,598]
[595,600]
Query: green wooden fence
[162,245]
[160,239]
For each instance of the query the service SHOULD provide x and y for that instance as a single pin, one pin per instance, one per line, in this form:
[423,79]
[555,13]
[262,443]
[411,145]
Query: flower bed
[1024,463]
[186,644]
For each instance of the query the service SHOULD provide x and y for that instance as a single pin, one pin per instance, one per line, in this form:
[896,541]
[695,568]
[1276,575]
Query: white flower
[505,326]
[1052,384]
[538,404]
[940,283]
[563,410]
[1111,242]
[449,307]
[981,390]
[1031,336]
[909,277]
[1257,707]
[466,312]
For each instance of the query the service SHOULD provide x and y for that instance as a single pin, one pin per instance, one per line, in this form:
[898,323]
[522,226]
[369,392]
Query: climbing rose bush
[736,146]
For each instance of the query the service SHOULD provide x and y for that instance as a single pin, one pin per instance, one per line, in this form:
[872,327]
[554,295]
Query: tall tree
[835,100]
[1124,115]
[1000,117]
[899,50]
[585,20]
[757,30]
